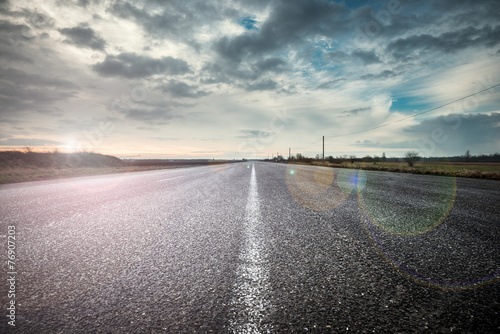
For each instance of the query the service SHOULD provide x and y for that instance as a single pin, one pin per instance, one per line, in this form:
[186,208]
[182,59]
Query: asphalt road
[252,248]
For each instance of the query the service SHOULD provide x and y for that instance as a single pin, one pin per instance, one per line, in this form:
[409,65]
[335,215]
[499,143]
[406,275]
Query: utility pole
[323,148]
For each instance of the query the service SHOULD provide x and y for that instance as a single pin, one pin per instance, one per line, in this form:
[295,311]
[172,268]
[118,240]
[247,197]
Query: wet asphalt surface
[337,250]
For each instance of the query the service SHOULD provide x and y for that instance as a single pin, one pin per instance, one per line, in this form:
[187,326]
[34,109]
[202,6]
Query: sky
[250,78]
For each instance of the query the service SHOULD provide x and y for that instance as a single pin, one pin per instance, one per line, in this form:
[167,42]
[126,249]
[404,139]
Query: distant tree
[467,156]
[299,156]
[376,159]
[411,157]
[368,158]
[384,158]
[318,157]
[28,149]
[330,159]
[352,158]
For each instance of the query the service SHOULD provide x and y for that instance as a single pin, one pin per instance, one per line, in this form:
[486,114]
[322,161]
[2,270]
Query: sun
[70,146]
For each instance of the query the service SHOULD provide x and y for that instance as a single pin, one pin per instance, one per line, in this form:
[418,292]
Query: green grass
[486,170]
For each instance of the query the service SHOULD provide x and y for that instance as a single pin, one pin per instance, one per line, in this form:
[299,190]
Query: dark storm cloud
[131,65]
[458,132]
[218,72]
[271,64]
[266,84]
[21,92]
[181,89]
[13,37]
[224,72]
[153,113]
[469,12]
[15,99]
[288,24]
[83,37]
[173,19]
[23,79]
[11,54]
[413,46]
[17,38]
[366,57]
[86,3]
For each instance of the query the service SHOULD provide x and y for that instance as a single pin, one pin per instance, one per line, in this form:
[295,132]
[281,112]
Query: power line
[415,115]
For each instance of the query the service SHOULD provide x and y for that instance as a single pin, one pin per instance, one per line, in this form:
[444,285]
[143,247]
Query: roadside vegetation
[29,165]
[481,166]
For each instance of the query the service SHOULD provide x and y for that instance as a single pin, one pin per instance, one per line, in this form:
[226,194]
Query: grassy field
[12,175]
[482,170]
[19,166]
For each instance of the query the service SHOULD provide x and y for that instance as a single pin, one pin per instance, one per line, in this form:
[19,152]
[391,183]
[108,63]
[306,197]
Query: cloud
[271,64]
[255,134]
[244,74]
[13,37]
[289,24]
[131,65]
[458,132]
[15,100]
[29,142]
[151,115]
[86,3]
[22,92]
[181,89]
[21,78]
[355,111]
[173,19]
[151,112]
[367,57]
[82,36]
[331,83]
[382,75]
[266,84]
[413,46]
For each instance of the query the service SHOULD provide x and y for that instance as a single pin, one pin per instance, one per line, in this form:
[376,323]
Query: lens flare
[401,213]
[315,187]
[406,209]
[427,280]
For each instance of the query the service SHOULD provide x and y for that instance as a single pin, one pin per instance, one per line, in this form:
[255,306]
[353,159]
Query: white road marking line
[250,304]
[170,178]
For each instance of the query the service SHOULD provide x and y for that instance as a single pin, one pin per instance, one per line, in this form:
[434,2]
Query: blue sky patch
[248,22]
